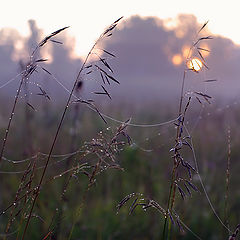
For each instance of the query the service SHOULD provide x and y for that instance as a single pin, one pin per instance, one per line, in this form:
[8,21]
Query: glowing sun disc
[195,64]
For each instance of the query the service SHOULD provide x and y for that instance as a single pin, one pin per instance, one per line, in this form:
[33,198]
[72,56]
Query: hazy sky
[150,56]
[88,18]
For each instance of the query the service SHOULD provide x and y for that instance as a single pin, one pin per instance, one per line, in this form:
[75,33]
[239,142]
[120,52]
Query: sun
[195,64]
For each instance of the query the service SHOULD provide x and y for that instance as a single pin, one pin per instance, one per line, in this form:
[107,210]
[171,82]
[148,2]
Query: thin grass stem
[55,139]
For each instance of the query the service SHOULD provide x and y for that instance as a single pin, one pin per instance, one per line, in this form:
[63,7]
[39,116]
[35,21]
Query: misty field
[76,164]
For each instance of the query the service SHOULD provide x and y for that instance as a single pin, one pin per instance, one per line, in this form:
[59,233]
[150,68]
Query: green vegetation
[75,177]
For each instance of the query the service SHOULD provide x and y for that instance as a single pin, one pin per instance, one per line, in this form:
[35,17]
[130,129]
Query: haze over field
[149,64]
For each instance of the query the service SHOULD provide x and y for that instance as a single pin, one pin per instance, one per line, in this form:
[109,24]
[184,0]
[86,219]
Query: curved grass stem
[55,139]
[11,118]
[171,196]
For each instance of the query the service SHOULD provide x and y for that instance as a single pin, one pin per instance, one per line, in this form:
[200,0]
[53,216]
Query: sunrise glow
[195,64]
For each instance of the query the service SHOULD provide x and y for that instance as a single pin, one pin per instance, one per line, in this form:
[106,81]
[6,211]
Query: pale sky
[88,19]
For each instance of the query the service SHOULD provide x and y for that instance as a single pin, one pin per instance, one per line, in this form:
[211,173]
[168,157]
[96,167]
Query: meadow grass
[55,195]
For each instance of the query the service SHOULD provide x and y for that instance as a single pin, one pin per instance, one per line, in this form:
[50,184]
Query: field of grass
[72,172]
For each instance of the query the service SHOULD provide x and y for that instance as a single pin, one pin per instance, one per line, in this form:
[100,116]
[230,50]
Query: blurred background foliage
[147,164]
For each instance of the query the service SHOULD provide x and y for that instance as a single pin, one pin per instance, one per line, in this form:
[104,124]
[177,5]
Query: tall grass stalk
[26,74]
[55,139]
[172,190]
[61,123]
[181,116]
[11,117]
[226,197]
[73,147]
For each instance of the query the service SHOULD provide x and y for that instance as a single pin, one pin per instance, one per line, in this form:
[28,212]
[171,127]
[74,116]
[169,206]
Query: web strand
[116,120]
[202,184]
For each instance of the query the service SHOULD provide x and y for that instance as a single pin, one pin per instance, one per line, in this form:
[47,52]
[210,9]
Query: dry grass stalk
[177,157]
[103,149]
[24,187]
[226,197]
[106,33]
[31,67]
